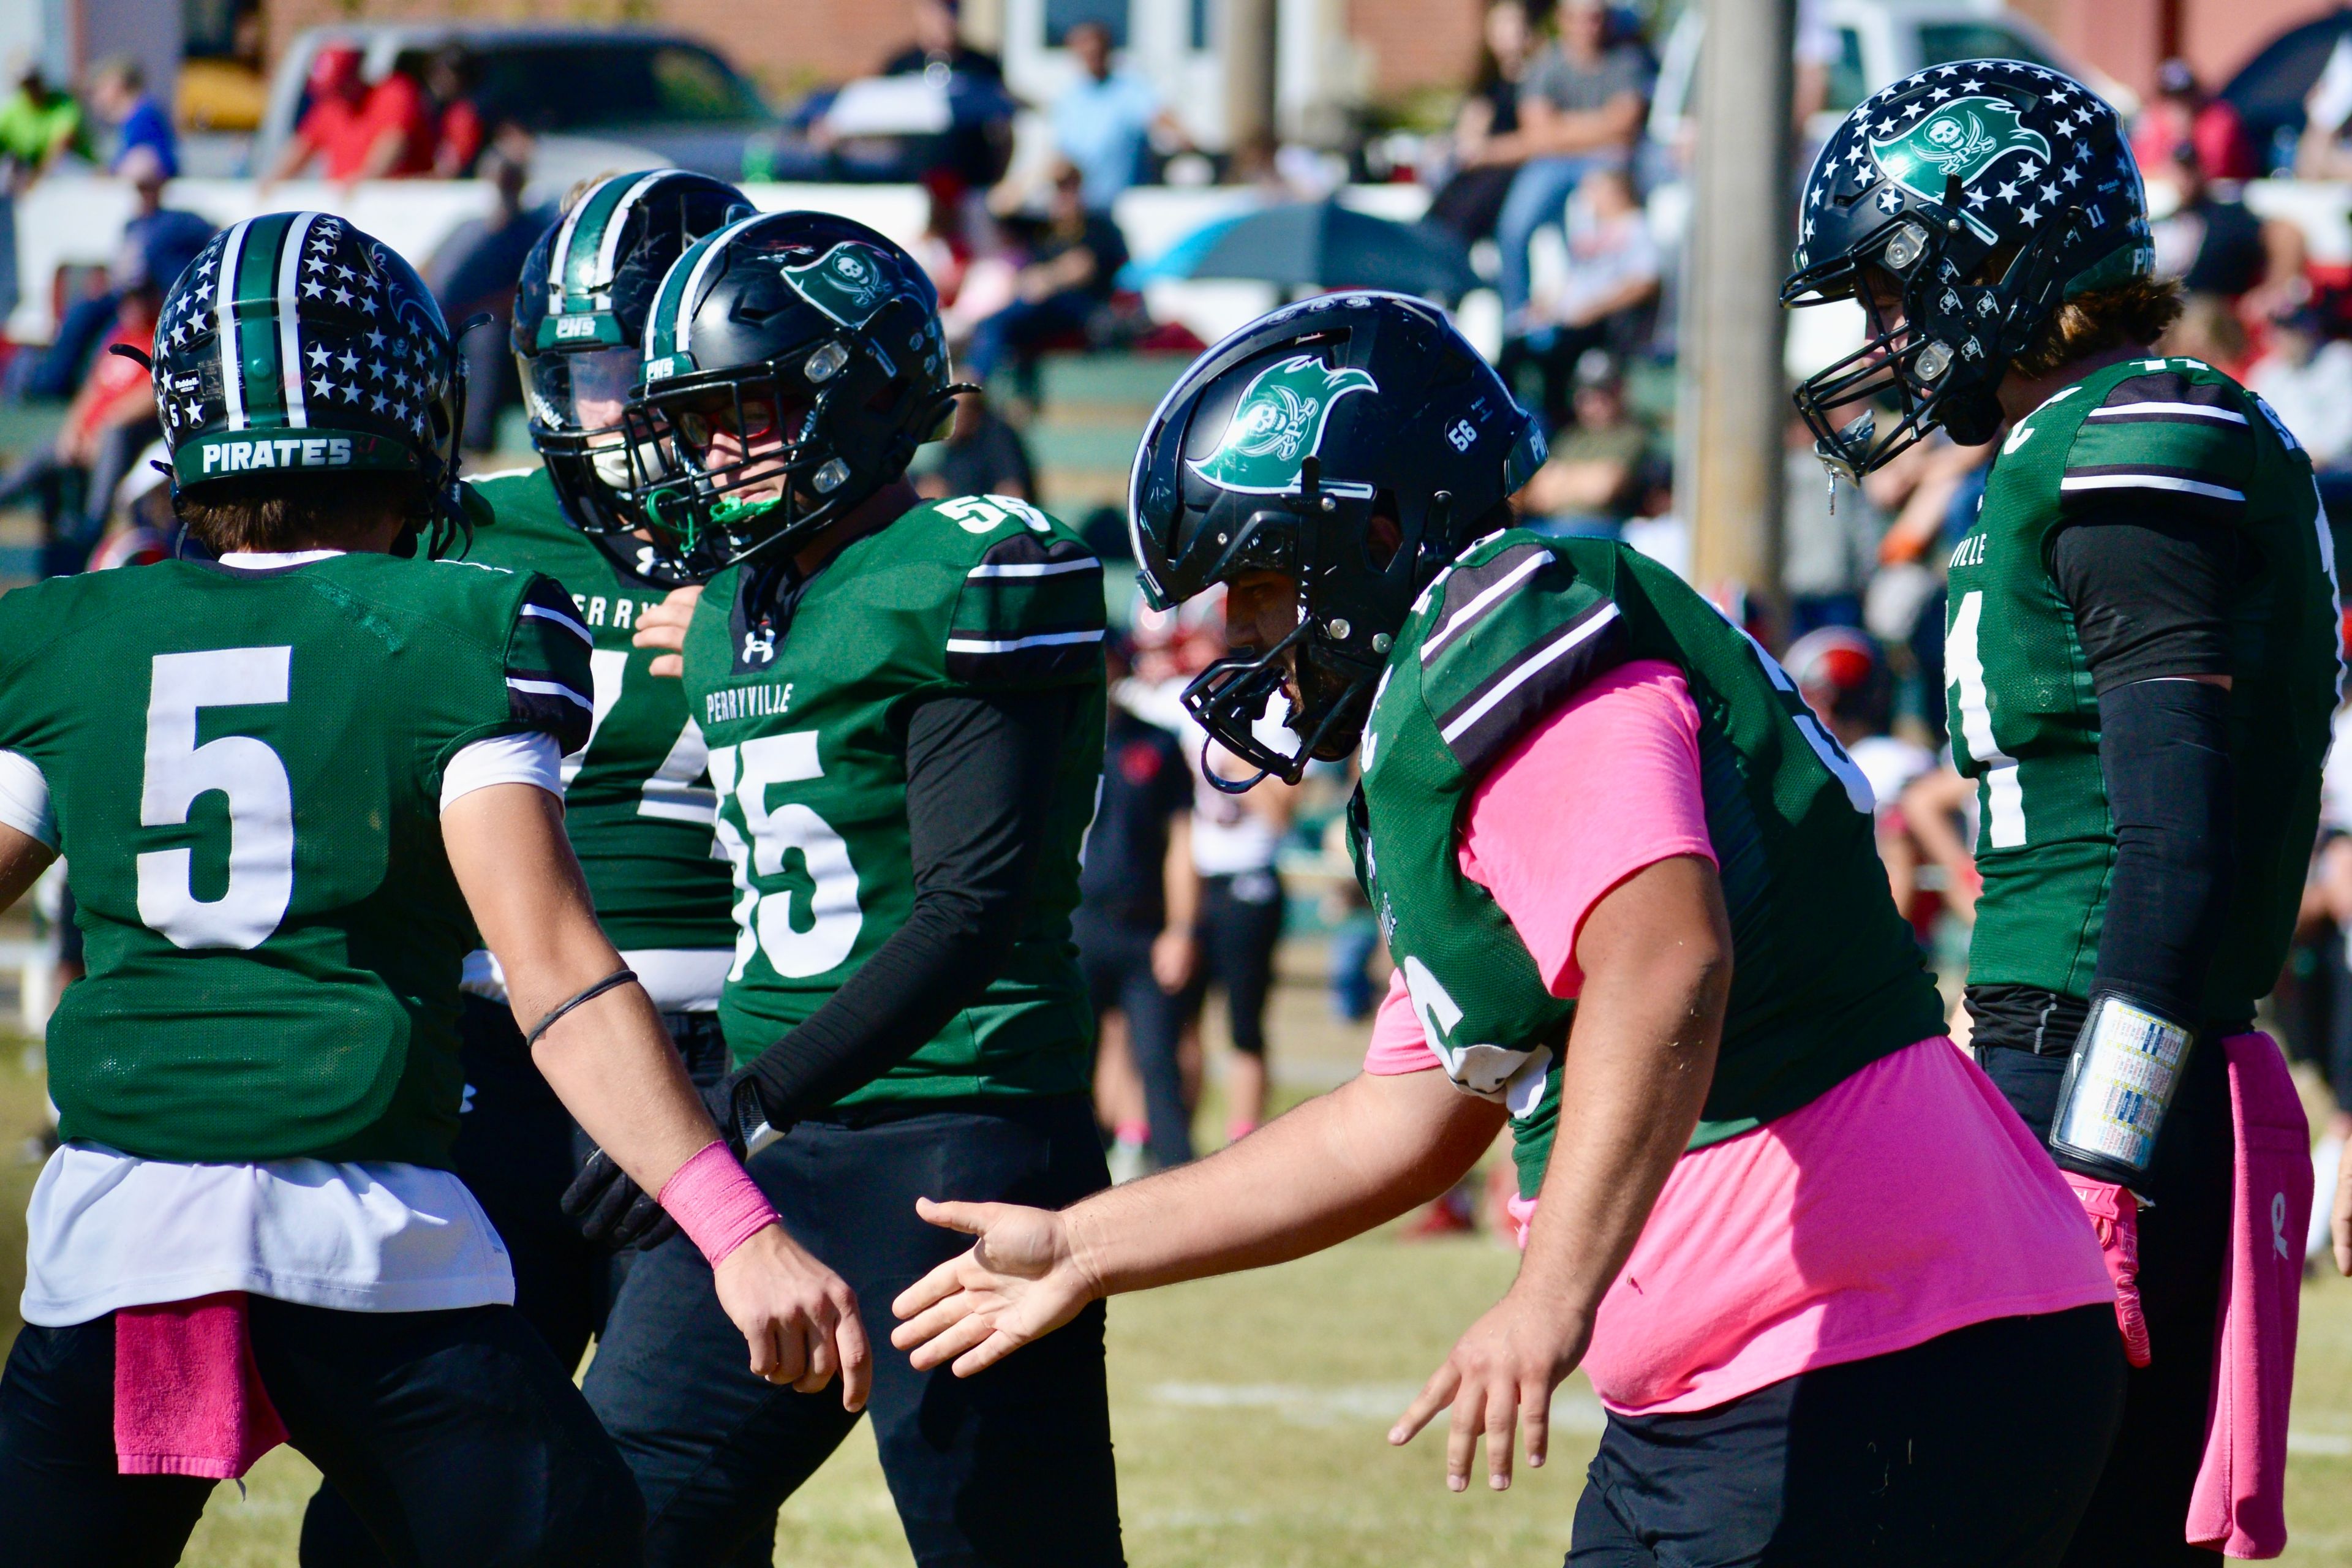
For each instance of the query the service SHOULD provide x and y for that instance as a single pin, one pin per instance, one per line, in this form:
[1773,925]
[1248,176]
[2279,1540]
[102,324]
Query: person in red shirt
[354,131]
[2181,112]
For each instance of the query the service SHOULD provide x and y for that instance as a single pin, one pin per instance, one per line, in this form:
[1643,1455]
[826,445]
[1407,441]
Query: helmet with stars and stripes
[794,363]
[1983,195]
[294,342]
[579,330]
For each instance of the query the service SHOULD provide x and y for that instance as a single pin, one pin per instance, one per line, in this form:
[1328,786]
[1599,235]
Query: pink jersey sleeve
[1398,1044]
[1607,785]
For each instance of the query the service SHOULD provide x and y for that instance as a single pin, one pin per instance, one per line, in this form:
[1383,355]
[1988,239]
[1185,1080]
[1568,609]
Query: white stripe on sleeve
[549,689]
[528,758]
[1014,645]
[2150,482]
[560,619]
[25,798]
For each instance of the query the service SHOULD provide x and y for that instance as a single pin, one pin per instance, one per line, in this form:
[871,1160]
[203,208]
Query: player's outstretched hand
[799,1318]
[663,627]
[1020,1280]
[1500,1377]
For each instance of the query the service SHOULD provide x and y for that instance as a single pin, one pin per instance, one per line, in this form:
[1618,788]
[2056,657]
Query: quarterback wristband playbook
[715,1203]
[2119,1083]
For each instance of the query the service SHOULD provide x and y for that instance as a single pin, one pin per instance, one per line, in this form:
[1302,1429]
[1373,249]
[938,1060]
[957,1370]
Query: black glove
[612,1209]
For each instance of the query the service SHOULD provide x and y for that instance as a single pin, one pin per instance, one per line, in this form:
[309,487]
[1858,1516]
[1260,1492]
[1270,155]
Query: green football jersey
[1825,976]
[804,704]
[637,802]
[246,768]
[2025,720]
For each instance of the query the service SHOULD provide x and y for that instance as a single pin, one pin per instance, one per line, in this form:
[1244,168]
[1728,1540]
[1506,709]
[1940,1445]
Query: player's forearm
[608,1059]
[1640,1059]
[1331,1169]
[1181,877]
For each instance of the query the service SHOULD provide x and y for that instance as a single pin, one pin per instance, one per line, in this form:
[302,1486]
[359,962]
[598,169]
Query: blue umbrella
[1323,245]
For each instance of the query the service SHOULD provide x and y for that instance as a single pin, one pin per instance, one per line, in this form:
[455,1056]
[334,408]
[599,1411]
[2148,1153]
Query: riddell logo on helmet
[282,452]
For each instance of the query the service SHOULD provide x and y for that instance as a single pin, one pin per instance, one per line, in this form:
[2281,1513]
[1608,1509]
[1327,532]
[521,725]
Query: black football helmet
[794,363]
[1989,192]
[579,335]
[296,341]
[1355,442]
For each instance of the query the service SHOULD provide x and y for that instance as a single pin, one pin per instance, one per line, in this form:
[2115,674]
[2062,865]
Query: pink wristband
[715,1203]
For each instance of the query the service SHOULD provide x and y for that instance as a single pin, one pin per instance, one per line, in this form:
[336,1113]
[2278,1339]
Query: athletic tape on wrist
[715,1203]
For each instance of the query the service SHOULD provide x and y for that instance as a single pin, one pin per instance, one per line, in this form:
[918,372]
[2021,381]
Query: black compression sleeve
[979,783]
[2148,584]
[2163,751]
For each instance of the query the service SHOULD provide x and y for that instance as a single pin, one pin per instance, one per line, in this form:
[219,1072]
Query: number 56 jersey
[245,769]
[804,697]
[2167,434]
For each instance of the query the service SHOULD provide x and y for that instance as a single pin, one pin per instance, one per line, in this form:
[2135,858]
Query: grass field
[1249,1411]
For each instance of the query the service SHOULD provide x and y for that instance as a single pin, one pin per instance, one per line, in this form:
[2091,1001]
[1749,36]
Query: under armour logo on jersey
[759,646]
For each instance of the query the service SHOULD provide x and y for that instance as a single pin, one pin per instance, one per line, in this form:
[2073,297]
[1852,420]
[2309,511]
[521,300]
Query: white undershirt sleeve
[528,758]
[25,798]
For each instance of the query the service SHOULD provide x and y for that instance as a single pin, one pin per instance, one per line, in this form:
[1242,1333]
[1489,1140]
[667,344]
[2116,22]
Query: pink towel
[2239,1505]
[188,1400]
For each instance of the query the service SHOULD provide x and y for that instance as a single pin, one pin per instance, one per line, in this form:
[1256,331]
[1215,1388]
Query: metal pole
[1249,72]
[1733,397]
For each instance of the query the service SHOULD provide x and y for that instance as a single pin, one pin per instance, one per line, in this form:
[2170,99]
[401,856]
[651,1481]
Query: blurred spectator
[1843,678]
[38,125]
[2182,114]
[2216,246]
[1938,821]
[1606,299]
[982,455]
[2321,153]
[450,76]
[2327,917]
[1070,275]
[1829,539]
[475,271]
[142,130]
[2209,329]
[939,45]
[1600,465]
[158,242]
[111,419]
[2306,375]
[1138,900]
[1104,119]
[1487,149]
[353,131]
[1580,104]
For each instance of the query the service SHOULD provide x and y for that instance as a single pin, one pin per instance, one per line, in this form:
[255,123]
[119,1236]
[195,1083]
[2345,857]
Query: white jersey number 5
[260,799]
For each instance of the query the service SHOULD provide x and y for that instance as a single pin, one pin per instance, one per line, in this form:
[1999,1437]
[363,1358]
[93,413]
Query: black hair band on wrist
[619,977]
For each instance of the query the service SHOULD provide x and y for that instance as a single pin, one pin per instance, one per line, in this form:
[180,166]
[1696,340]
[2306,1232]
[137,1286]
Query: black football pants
[1012,1467]
[1977,1449]
[2138,1515]
[516,1150]
[456,1435]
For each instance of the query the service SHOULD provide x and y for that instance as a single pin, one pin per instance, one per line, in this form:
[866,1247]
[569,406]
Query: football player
[290,785]
[903,703]
[2141,650]
[1629,882]
[637,803]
